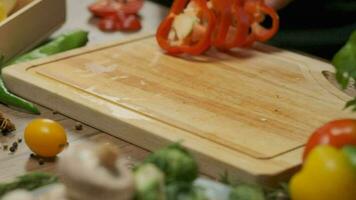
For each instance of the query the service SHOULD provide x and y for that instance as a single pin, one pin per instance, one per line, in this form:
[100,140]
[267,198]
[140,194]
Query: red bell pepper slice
[121,22]
[188,45]
[258,11]
[222,11]
[106,8]
[239,29]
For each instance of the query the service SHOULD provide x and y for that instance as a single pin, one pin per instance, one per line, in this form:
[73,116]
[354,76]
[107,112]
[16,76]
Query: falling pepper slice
[258,11]
[197,38]
[232,24]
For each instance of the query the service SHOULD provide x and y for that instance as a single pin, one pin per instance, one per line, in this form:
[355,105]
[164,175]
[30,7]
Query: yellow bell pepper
[327,174]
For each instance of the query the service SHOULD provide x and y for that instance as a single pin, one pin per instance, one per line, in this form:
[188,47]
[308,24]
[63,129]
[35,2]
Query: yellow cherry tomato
[45,137]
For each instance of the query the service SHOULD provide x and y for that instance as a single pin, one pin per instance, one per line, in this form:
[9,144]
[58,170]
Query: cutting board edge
[16,81]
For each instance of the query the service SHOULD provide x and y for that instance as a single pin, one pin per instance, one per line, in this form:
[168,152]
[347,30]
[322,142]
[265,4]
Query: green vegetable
[279,193]
[10,99]
[350,151]
[60,44]
[184,191]
[176,163]
[345,65]
[149,183]
[28,182]
[247,192]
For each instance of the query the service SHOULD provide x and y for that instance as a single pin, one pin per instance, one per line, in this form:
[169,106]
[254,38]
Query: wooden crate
[31,24]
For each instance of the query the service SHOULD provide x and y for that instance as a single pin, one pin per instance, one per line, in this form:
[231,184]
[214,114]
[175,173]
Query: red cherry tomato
[336,133]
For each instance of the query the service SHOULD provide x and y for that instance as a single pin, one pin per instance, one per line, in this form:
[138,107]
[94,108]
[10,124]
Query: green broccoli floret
[176,162]
[184,191]
[149,183]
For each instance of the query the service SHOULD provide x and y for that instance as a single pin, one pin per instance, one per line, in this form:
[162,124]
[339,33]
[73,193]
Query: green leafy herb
[28,182]
[345,65]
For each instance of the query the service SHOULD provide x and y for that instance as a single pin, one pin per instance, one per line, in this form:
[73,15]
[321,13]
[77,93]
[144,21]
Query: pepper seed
[78,126]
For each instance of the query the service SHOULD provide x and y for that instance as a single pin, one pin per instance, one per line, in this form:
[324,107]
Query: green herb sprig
[29,182]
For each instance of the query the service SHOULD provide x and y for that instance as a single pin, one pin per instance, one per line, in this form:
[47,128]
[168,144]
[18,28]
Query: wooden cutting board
[248,112]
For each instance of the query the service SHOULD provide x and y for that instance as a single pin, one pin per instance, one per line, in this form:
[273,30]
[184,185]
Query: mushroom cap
[85,178]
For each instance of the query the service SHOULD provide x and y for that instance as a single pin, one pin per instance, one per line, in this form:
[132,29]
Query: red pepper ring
[242,27]
[194,49]
[258,10]
[221,9]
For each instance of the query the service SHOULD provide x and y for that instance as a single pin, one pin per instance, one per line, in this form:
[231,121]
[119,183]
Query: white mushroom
[91,172]
[55,192]
[18,195]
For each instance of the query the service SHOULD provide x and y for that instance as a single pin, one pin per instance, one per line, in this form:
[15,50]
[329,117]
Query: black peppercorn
[15,145]
[78,126]
[41,161]
[12,149]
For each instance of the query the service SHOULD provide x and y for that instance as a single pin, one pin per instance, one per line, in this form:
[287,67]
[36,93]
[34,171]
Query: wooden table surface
[18,163]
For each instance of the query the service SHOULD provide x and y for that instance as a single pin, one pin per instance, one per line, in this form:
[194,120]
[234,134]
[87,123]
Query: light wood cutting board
[248,112]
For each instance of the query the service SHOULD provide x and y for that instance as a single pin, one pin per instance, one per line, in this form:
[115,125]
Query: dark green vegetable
[9,99]
[60,44]
[28,182]
[177,164]
[184,191]
[149,183]
[345,65]
[247,192]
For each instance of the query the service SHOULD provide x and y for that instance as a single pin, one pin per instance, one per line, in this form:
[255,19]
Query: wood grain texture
[19,163]
[248,112]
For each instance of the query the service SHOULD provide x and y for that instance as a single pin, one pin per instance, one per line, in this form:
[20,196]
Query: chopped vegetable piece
[117,15]
[175,32]
[258,12]
[105,8]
